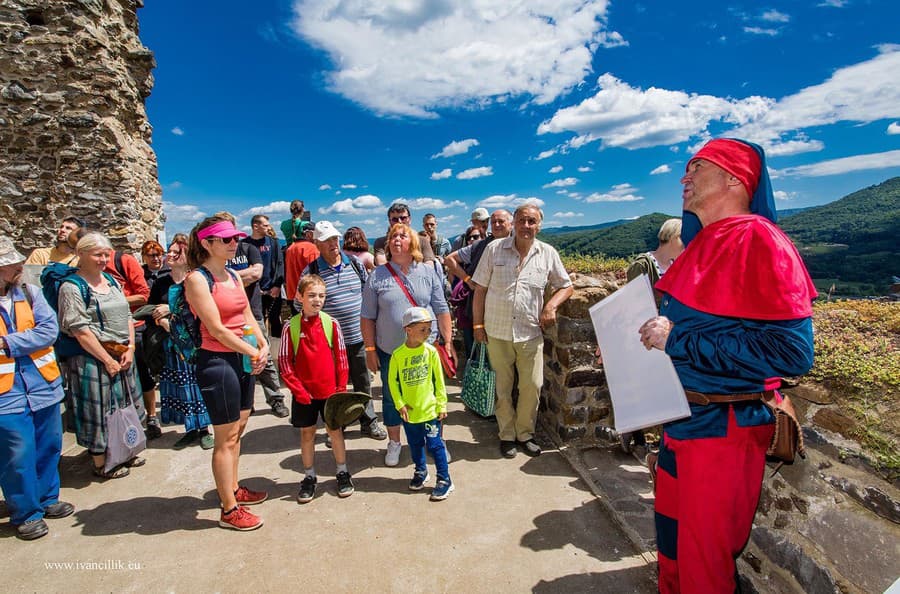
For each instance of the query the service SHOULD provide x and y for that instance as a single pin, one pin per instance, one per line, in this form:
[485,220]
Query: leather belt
[700,398]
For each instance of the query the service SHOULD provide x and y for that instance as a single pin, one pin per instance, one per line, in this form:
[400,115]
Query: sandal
[135,462]
[118,472]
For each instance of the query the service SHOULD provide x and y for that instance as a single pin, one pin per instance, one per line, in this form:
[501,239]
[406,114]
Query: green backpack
[327,326]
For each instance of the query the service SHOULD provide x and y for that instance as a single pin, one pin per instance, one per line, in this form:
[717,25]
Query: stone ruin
[830,523]
[74,135]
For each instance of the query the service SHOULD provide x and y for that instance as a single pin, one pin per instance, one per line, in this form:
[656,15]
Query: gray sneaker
[375,430]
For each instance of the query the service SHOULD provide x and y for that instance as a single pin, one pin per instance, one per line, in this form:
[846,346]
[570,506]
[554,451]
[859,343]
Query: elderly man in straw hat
[30,393]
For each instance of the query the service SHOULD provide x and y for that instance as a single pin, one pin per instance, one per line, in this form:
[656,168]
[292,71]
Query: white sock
[310,472]
[341,468]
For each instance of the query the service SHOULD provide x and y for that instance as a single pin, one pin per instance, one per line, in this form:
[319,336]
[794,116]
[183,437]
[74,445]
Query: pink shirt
[231,300]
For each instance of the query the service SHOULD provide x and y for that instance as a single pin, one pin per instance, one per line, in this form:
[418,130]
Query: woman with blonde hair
[216,296]
[104,374]
[383,303]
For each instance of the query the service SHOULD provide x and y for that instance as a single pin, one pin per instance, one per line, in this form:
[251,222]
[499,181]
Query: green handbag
[479,383]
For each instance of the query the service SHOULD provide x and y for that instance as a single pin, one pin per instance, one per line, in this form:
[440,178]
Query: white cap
[480,214]
[325,231]
[415,314]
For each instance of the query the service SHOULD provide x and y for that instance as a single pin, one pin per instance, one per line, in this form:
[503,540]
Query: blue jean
[427,435]
[30,445]
[388,410]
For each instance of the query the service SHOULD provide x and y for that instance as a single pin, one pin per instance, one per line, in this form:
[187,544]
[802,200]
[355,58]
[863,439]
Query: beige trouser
[526,358]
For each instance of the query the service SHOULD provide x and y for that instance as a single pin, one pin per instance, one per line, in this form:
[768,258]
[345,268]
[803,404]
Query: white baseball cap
[415,314]
[480,214]
[325,231]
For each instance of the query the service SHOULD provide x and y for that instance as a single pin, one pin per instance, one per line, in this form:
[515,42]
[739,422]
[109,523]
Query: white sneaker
[392,457]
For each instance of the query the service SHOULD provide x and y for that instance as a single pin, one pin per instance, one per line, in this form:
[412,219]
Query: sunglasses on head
[225,240]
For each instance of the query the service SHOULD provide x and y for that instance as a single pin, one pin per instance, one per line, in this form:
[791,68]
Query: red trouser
[707,490]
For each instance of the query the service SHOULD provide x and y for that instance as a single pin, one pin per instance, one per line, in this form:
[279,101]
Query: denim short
[226,388]
[389,412]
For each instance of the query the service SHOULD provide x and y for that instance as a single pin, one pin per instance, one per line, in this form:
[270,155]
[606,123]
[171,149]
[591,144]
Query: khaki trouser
[526,358]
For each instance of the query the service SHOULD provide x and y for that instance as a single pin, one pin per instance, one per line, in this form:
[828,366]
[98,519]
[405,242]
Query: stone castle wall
[830,523]
[74,135]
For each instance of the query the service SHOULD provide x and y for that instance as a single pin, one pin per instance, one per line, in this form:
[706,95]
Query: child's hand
[303,398]
[404,414]
[442,416]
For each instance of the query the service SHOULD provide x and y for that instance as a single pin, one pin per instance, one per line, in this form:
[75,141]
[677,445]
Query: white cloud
[181,218]
[457,147]
[625,116]
[562,183]
[584,169]
[361,205]
[556,169]
[279,207]
[442,174]
[782,195]
[661,169]
[619,193]
[630,117]
[475,172]
[177,131]
[773,16]
[509,201]
[833,3]
[844,165]
[545,154]
[567,215]
[893,128]
[413,57]
[177,184]
[325,187]
[348,186]
[425,204]
[761,31]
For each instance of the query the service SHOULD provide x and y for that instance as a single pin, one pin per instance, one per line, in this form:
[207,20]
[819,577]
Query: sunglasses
[400,219]
[225,240]
[471,237]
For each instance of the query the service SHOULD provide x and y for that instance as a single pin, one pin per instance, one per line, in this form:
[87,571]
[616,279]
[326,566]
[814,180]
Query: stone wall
[830,523]
[74,135]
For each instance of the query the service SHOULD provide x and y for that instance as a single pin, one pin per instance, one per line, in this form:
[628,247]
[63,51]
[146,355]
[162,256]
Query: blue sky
[589,107]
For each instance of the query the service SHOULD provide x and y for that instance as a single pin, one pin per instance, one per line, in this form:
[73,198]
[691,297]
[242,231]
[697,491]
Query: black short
[148,382]
[226,388]
[307,415]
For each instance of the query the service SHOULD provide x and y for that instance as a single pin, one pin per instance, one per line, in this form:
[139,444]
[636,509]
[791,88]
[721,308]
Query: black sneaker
[345,485]
[418,480]
[307,489]
[32,530]
[507,448]
[153,430]
[60,509]
[279,409]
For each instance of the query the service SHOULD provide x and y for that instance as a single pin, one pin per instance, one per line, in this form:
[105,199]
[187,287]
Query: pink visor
[220,229]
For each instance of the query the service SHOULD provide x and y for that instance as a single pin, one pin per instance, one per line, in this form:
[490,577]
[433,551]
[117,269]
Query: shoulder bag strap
[402,286]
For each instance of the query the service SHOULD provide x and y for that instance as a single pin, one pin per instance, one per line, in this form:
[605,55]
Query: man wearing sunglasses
[398,213]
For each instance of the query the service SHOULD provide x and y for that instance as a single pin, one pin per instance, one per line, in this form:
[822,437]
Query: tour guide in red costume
[735,317]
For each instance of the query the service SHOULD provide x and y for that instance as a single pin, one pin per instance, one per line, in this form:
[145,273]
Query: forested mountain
[852,243]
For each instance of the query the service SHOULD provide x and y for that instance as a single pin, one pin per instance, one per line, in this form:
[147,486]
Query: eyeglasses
[400,219]
[471,237]
[225,240]
[156,255]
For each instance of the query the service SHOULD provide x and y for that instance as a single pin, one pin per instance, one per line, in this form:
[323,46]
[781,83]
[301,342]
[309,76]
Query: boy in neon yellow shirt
[417,385]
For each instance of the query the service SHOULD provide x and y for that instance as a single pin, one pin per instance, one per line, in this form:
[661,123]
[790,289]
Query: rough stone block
[811,576]
[834,420]
[574,331]
[576,415]
[575,395]
[584,376]
[570,433]
[582,300]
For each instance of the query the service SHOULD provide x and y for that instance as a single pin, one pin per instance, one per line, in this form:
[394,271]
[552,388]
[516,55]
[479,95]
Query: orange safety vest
[44,359]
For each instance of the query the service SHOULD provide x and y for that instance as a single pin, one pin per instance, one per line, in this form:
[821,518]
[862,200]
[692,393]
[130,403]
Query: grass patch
[593,264]
[858,358]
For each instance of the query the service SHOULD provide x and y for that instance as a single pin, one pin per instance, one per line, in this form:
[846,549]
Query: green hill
[619,241]
[854,242]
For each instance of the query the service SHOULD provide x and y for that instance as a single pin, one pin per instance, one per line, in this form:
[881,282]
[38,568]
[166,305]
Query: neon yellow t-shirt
[417,381]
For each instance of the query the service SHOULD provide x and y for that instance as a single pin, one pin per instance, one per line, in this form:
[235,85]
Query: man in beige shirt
[509,314]
[61,252]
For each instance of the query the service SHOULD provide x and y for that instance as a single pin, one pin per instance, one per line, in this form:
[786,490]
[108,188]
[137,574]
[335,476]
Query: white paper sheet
[643,385]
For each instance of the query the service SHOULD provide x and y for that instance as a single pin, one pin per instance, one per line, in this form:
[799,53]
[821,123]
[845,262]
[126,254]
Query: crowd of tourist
[735,317]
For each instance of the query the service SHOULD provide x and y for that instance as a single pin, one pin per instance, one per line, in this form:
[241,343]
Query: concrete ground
[527,524]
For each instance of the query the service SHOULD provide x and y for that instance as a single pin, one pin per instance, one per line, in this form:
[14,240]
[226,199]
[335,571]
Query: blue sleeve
[750,350]
[45,331]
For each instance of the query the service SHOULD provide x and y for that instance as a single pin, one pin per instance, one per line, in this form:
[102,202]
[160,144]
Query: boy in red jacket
[313,365]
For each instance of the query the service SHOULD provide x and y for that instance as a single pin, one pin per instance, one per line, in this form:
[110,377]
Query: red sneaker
[240,518]
[245,496]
